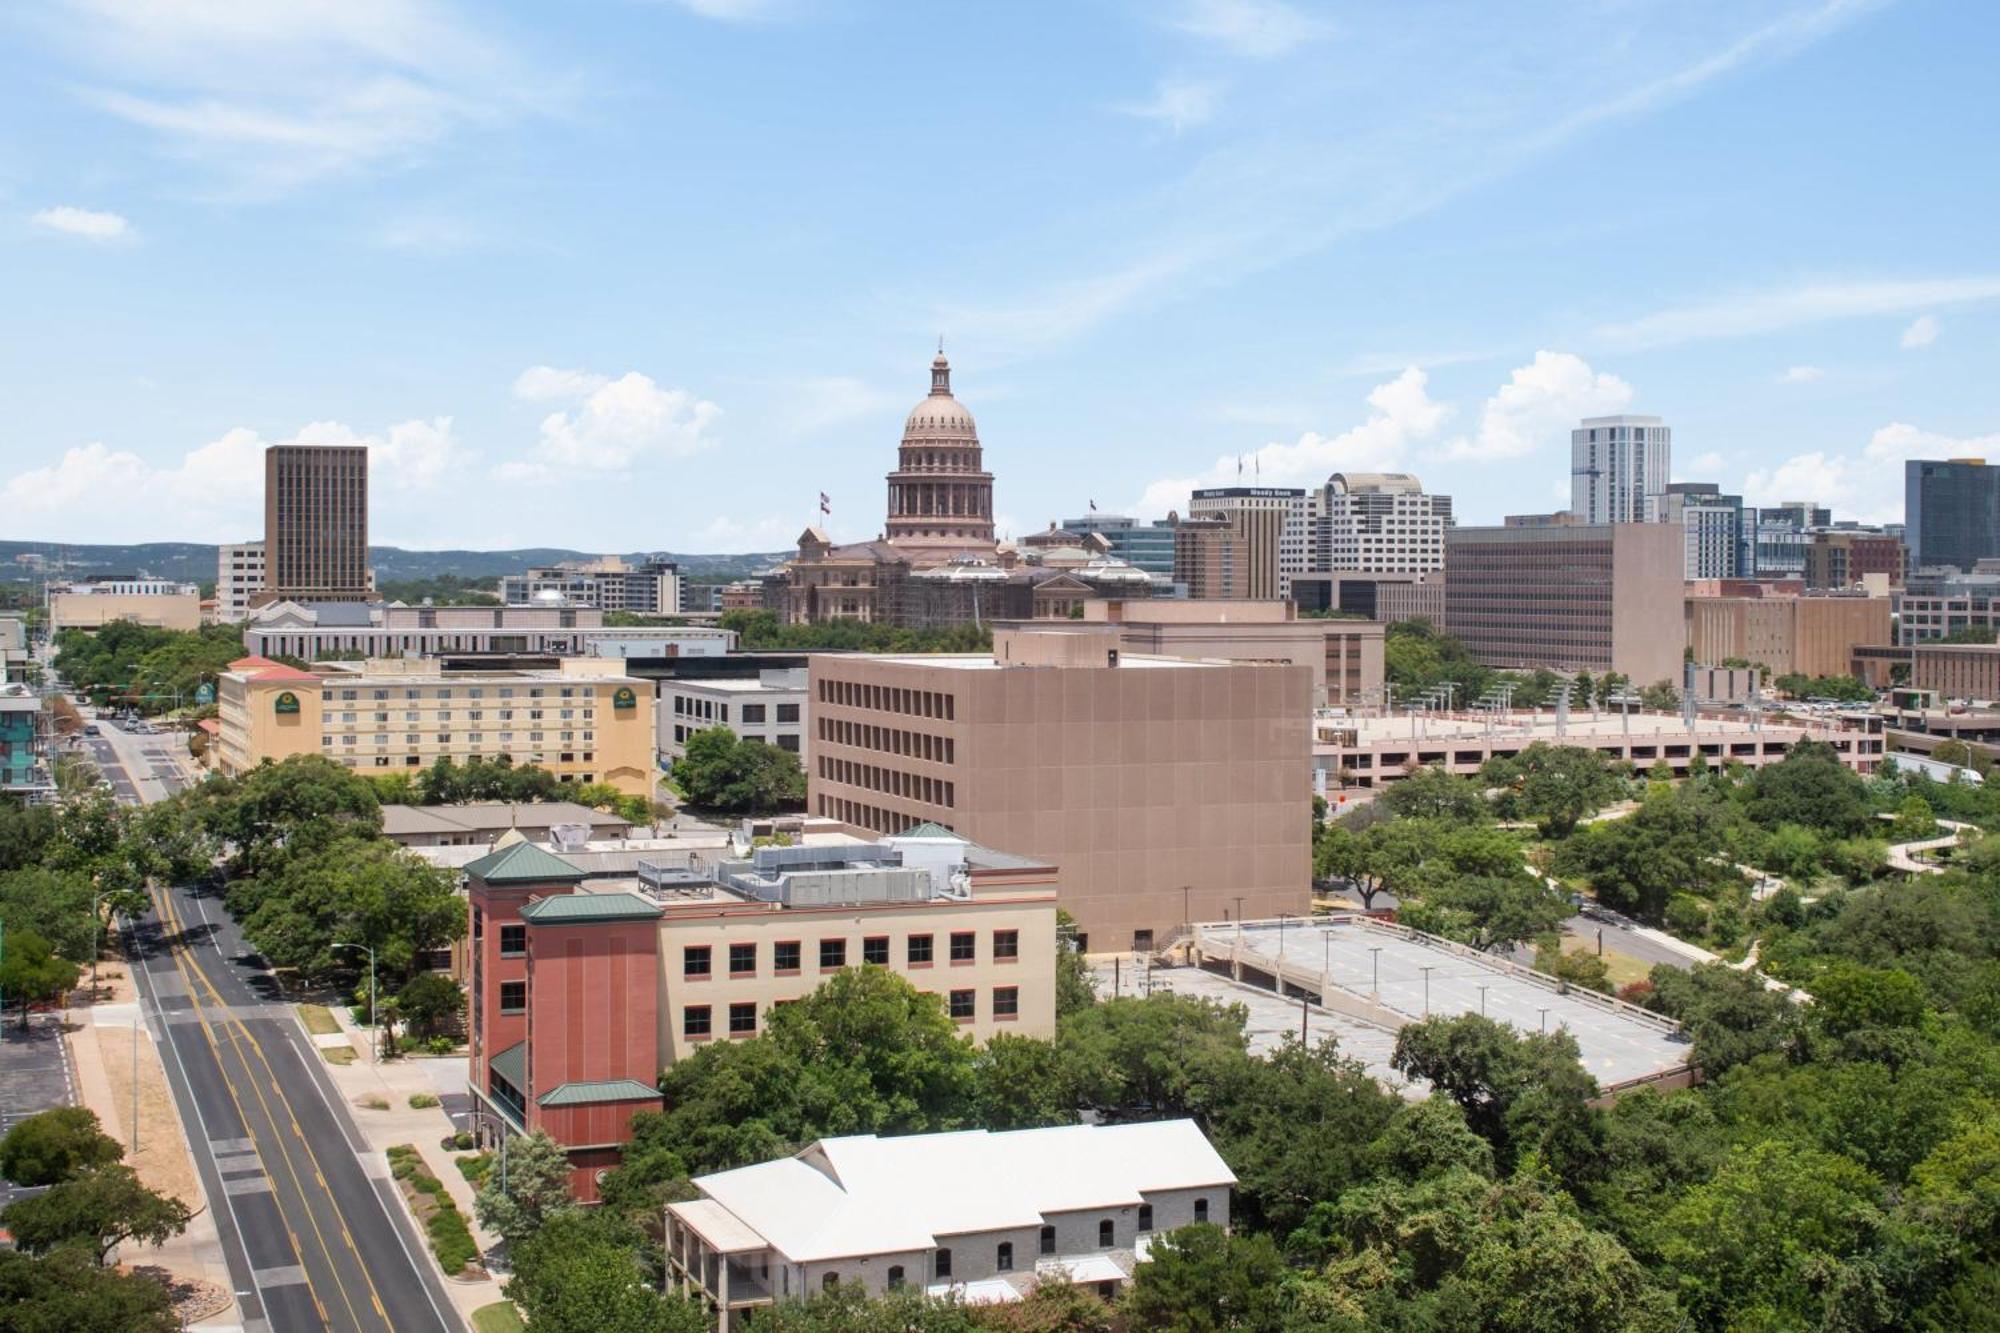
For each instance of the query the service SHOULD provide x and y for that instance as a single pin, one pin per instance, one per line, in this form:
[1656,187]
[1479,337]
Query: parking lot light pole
[1426,970]
[375,1031]
[1375,983]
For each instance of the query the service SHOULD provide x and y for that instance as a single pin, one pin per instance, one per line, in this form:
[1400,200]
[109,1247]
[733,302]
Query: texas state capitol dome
[940,495]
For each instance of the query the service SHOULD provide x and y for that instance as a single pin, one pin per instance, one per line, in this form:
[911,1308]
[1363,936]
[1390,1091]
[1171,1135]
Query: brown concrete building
[1837,559]
[1384,597]
[1953,670]
[1164,790]
[316,523]
[1569,596]
[1816,636]
[1345,656]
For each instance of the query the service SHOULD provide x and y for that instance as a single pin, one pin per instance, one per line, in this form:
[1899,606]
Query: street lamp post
[1545,1018]
[1482,1000]
[1375,963]
[375,1030]
[1426,970]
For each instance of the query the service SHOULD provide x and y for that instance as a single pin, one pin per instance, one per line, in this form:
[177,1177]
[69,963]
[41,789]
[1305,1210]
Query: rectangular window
[832,955]
[962,1005]
[742,959]
[964,946]
[696,960]
[920,951]
[513,997]
[513,941]
[788,712]
[742,1020]
[785,957]
[875,949]
[753,713]
[1006,1001]
[694,1021]
[1006,944]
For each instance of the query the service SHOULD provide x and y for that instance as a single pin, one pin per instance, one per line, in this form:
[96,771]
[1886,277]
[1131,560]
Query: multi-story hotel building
[1619,468]
[584,722]
[1381,523]
[583,988]
[1569,596]
[1165,790]
[316,523]
[239,577]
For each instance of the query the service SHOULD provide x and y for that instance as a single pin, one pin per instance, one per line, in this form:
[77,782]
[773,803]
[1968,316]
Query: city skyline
[558,279]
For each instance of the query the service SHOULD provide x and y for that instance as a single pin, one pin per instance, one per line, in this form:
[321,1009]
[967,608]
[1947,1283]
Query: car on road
[92,729]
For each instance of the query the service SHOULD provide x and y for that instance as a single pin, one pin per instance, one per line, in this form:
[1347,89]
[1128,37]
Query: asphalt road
[311,1229]
[34,1076]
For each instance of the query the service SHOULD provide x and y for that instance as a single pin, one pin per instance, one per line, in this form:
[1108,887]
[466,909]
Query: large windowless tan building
[1572,597]
[1813,635]
[1164,790]
[316,522]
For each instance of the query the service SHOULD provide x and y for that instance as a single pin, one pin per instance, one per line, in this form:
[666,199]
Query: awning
[720,1229]
[985,1291]
[1085,1268]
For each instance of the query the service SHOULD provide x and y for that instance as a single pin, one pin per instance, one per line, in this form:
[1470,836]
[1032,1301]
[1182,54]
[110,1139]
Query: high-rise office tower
[1618,469]
[1951,511]
[1719,533]
[316,523]
[1273,525]
[1379,523]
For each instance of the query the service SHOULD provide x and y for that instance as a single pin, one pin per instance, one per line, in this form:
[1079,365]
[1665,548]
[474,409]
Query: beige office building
[316,523]
[1242,541]
[179,610]
[584,722]
[1163,789]
[1590,597]
[1816,636]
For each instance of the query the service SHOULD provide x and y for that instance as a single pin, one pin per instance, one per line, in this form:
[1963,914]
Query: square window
[697,960]
[1006,944]
[875,949]
[513,997]
[513,941]
[962,1005]
[785,956]
[964,946]
[832,954]
[742,959]
[1006,1001]
[742,1019]
[695,1021]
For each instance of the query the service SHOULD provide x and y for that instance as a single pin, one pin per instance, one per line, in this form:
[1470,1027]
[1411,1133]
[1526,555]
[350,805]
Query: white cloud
[614,423]
[272,96]
[1866,484]
[1922,332]
[86,223]
[542,383]
[1261,28]
[1403,414]
[1538,405]
[1709,464]
[1790,307]
[215,492]
[729,11]
[1177,104]
[1802,375]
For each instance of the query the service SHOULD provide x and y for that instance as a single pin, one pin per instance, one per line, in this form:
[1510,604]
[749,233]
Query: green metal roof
[512,1065]
[571,908]
[929,829]
[523,863]
[606,1090]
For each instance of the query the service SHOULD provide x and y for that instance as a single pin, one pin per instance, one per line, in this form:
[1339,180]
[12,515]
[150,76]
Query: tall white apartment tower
[1618,469]
[239,576]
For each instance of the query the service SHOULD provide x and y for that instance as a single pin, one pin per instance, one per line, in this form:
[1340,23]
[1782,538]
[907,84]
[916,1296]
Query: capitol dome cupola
[940,495]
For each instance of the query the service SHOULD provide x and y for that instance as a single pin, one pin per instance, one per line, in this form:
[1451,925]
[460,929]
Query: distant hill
[196,564]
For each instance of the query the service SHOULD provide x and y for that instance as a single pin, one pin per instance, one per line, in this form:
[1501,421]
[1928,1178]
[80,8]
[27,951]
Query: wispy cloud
[84,223]
[1177,104]
[1922,332]
[271,97]
[1538,405]
[1773,310]
[1802,375]
[1258,28]
[1865,483]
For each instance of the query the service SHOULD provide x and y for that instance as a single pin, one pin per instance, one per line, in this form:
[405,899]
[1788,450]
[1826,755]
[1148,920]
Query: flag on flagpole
[1239,467]
[825,504]
[1093,506]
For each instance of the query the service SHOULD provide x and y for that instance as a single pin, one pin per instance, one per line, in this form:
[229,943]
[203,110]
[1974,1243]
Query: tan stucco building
[95,610]
[1163,789]
[1813,635]
[584,722]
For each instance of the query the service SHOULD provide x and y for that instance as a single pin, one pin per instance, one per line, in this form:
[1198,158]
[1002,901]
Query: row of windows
[889,699]
[444,715]
[871,817]
[471,692]
[889,740]
[890,781]
[788,740]
[474,740]
[698,1020]
[698,960]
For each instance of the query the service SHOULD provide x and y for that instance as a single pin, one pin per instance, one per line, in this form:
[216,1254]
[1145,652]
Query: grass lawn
[319,1020]
[338,1055]
[499,1317]
[1622,968]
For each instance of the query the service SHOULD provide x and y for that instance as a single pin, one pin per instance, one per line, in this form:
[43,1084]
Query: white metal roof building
[975,1212]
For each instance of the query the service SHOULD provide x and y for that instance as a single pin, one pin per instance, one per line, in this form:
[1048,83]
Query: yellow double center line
[239,1037]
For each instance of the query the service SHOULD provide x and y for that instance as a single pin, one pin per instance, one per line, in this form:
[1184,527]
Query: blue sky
[629,274]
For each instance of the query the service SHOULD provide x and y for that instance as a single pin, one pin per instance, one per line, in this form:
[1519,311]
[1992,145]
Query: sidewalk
[102,1055]
[395,1082]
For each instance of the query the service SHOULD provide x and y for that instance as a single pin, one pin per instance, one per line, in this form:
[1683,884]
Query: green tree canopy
[535,1191]
[95,1209]
[1202,1278]
[719,771]
[578,1273]
[32,973]
[54,1145]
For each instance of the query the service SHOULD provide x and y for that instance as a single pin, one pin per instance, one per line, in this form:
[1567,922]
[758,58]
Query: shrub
[375,1101]
[422,1101]
[451,1240]
[440,1045]
[464,1139]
